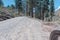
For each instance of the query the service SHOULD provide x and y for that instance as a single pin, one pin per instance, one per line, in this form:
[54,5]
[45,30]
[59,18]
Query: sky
[57,3]
[9,2]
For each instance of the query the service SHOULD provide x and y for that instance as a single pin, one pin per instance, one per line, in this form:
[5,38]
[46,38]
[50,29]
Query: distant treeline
[42,9]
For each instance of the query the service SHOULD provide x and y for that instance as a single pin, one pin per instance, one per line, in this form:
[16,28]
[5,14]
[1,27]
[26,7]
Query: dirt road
[23,28]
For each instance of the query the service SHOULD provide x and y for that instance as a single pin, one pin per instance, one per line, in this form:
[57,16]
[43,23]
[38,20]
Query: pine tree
[41,9]
[18,4]
[1,3]
[38,14]
[51,8]
[46,8]
[8,6]
[28,8]
[30,5]
[12,6]
[31,8]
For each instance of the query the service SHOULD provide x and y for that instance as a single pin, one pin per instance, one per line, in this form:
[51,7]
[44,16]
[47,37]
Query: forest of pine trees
[44,9]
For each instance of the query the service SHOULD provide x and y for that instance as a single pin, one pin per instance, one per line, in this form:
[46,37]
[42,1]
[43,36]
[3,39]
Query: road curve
[22,28]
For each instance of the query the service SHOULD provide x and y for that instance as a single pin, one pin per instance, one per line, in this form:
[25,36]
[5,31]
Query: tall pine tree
[12,6]
[51,8]
[16,2]
[46,9]
[28,7]
[1,3]
[31,7]
[19,5]
[38,11]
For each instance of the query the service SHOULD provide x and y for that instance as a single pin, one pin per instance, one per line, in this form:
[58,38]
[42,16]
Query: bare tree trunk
[42,14]
[19,12]
[32,11]
[27,9]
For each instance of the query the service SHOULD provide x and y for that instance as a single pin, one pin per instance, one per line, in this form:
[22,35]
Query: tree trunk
[32,11]
[19,12]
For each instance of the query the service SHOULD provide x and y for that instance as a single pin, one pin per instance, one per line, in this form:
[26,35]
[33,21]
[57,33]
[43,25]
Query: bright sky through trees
[9,2]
